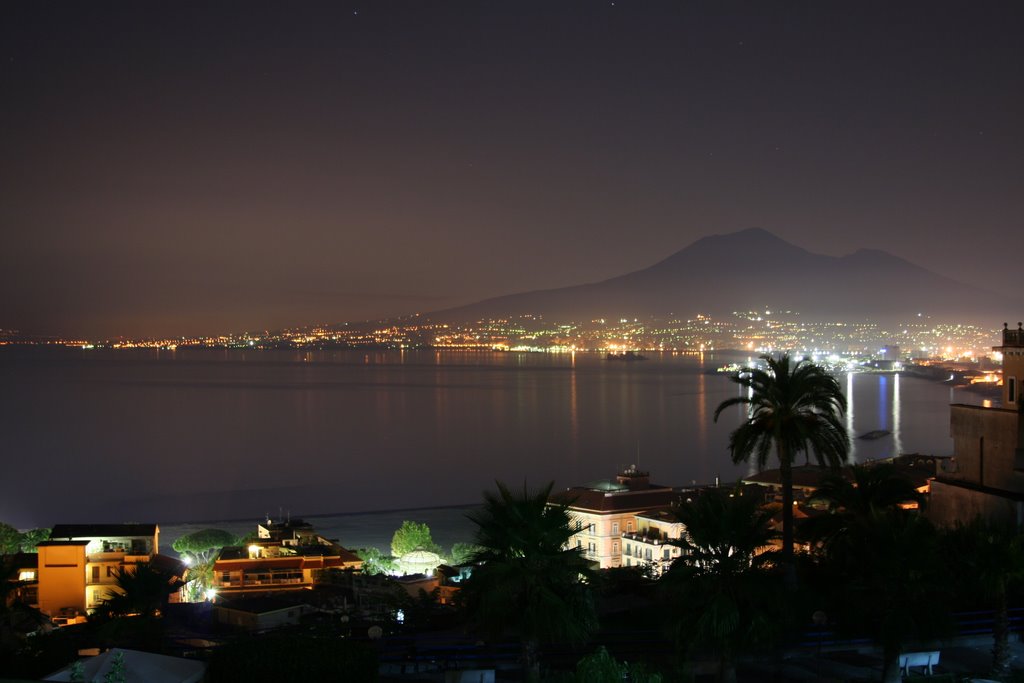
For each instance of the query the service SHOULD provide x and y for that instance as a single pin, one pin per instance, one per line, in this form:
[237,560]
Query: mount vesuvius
[751,270]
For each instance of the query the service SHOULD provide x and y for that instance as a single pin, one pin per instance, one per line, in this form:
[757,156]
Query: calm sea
[237,435]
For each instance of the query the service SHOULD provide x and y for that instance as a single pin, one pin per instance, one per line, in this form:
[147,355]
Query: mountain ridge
[748,270]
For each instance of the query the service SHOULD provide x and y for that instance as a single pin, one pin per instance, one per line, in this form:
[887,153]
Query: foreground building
[986,474]
[603,513]
[78,567]
[653,545]
[286,556]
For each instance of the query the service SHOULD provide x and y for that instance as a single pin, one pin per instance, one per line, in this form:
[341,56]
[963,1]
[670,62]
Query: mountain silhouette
[753,270]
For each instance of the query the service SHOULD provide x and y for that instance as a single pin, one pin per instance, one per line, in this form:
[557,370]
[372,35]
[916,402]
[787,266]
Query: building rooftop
[661,515]
[605,485]
[914,467]
[804,476]
[48,544]
[102,530]
[302,556]
[614,501]
[1012,338]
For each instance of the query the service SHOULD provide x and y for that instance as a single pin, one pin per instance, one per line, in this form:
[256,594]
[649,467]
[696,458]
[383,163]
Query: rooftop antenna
[638,454]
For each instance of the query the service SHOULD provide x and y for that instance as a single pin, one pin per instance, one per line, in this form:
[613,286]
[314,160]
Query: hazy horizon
[968,315]
[178,168]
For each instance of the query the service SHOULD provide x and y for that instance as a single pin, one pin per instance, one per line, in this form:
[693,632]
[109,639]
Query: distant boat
[874,434]
[626,355]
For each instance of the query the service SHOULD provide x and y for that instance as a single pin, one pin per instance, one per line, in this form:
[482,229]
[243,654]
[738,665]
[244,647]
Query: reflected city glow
[883,402]
[849,417]
[897,444]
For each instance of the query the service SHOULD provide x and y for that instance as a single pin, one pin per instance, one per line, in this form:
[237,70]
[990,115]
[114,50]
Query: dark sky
[199,167]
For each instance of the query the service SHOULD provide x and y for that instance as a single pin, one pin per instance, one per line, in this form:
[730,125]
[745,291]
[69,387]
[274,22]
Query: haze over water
[91,436]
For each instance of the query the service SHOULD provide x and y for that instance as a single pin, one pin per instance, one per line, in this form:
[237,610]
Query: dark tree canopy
[530,583]
[986,558]
[376,562]
[723,588]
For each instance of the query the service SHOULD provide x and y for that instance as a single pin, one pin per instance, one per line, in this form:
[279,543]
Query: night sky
[192,167]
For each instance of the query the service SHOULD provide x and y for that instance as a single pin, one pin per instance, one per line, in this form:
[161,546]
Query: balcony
[644,538]
[101,581]
[269,582]
[109,556]
[119,556]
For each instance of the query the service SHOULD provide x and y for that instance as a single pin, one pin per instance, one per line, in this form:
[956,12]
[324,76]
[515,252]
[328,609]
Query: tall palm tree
[528,582]
[792,409]
[723,582]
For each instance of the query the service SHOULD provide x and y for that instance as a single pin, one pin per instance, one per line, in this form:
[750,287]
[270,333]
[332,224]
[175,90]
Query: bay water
[224,438]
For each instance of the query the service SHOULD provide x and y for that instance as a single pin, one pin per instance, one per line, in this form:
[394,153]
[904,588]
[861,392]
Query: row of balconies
[260,582]
[118,557]
[644,538]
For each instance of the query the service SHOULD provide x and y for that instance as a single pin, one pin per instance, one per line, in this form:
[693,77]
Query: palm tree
[792,409]
[987,556]
[866,492]
[528,581]
[140,589]
[723,582]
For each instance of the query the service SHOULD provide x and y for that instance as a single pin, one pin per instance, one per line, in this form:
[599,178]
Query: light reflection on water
[221,435]
[850,407]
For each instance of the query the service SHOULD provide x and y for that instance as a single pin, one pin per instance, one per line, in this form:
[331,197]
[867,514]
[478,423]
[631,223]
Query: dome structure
[419,562]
